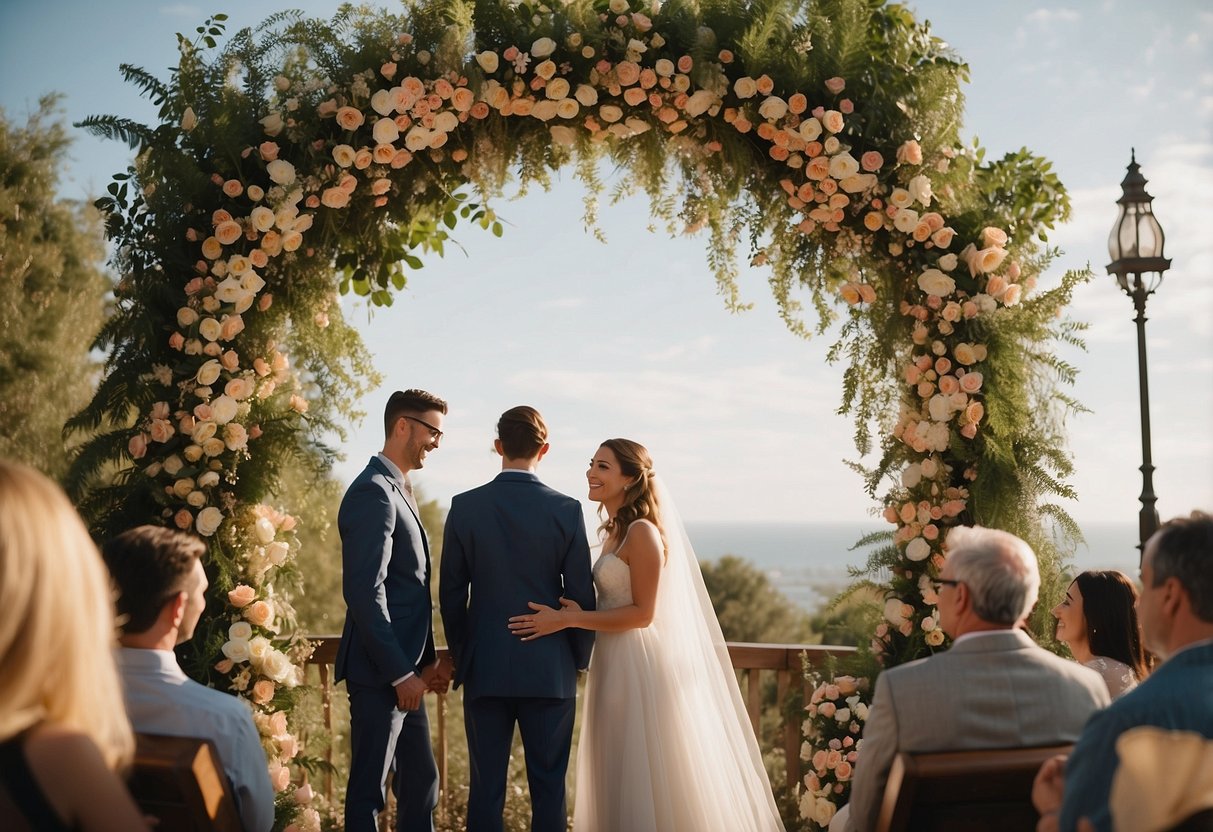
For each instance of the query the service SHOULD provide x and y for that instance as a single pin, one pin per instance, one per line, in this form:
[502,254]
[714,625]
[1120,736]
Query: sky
[630,338]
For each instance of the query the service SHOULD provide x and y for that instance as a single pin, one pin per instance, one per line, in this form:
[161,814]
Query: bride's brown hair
[639,497]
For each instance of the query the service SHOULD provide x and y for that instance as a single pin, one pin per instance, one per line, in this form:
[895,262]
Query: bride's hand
[542,622]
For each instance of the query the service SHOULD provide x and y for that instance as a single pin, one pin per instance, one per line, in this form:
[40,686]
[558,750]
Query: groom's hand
[409,693]
[437,676]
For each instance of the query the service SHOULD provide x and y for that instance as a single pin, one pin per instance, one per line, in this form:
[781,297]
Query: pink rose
[836,85]
[183,519]
[971,382]
[137,447]
[263,691]
[350,118]
[871,161]
[910,153]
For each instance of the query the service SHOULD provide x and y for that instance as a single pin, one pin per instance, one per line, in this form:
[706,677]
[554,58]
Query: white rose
[587,95]
[208,479]
[773,109]
[843,165]
[208,373]
[186,316]
[276,552]
[264,530]
[172,465]
[905,220]
[418,138]
[385,131]
[949,262]
[699,103]
[446,121]
[203,431]
[920,189]
[912,475]
[223,409]
[488,61]
[857,183]
[935,282]
[637,47]
[196,499]
[235,436]
[210,329]
[567,108]
[610,113]
[918,549]
[240,631]
[842,715]
[618,6]
[543,47]
[236,650]
[381,102]
[941,410]
[557,89]
[278,667]
[664,67]
[900,198]
[281,172]
[273,124]
[823,812]
[263,218]
[229,290]
[810,129]
[745,87]
[259,647]
[892,611]
[208,521]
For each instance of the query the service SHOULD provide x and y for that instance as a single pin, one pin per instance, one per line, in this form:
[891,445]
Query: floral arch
[822,135]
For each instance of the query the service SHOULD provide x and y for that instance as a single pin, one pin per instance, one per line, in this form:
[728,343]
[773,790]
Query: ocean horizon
[808,561]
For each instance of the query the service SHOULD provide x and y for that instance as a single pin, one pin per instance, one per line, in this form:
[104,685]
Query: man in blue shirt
[161,594]
[1176,612]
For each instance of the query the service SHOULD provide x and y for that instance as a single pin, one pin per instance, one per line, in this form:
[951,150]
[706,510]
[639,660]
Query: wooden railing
[786,660]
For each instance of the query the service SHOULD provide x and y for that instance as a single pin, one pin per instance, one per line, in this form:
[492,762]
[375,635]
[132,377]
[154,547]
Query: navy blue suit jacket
[1178,696]
[511,541]
[385,579]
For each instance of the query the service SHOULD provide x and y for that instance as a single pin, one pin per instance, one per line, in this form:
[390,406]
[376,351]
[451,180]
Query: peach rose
[226,233]
[259,614]
[241,596]
[350,118]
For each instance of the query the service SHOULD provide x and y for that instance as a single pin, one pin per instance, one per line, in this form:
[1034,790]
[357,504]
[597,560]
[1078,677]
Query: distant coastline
[808,561]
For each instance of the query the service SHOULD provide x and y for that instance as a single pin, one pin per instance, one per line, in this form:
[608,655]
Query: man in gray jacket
[994,688]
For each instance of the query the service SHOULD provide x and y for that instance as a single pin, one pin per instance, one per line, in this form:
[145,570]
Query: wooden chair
[964,790]
[181,781]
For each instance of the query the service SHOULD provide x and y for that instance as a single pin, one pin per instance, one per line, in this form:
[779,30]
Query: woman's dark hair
[1109,605]
[639,497]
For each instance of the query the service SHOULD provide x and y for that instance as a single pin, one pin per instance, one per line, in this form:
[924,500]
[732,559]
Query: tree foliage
[52,292]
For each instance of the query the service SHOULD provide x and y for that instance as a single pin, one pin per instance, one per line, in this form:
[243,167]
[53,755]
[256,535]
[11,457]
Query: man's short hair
[409,402]
[1183,549]
[1000,571]
[522,432]
[149,566]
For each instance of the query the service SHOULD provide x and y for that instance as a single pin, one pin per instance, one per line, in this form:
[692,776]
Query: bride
[665,740]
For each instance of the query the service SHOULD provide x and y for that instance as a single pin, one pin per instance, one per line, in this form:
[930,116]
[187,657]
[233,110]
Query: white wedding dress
[666,745]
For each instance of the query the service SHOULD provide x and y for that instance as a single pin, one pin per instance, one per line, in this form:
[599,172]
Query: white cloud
[563,303]
[1048,17]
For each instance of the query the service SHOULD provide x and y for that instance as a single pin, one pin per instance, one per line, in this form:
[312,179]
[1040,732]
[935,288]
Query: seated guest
[161,586]
[1097,620]
[1176,610]
[63,731]
[994,688]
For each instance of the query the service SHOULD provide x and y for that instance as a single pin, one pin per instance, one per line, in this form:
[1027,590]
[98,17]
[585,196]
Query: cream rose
[918,550]
[557,89]
[586,95]
[745,87]
[223,409]
[935,282]
[208,522]
[773,108]
[832,121]
[543,47]
[488,61]
[259,615]
[920,189]
[350,118]
[843,165]
[281,172]
[208,373]
[236,650]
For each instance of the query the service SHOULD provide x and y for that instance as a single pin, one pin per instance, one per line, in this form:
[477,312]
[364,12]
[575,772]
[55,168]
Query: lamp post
[1135,245]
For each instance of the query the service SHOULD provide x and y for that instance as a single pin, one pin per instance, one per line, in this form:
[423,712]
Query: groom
[508,542]
[387,647]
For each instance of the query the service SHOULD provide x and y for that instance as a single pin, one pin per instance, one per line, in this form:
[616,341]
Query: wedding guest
[1176,610]
[1097,620]
[63,731]
[994,688]
[161,589]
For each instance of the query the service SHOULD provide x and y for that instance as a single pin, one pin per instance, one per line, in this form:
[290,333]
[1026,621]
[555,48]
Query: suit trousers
[546,727]
[383,737]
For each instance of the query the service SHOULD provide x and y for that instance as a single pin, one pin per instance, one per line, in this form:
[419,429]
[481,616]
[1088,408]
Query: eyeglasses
[434,432]
[940,583]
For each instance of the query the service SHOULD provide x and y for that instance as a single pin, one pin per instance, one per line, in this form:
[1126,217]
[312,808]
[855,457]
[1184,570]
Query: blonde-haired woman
[63,727]
[666,744]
